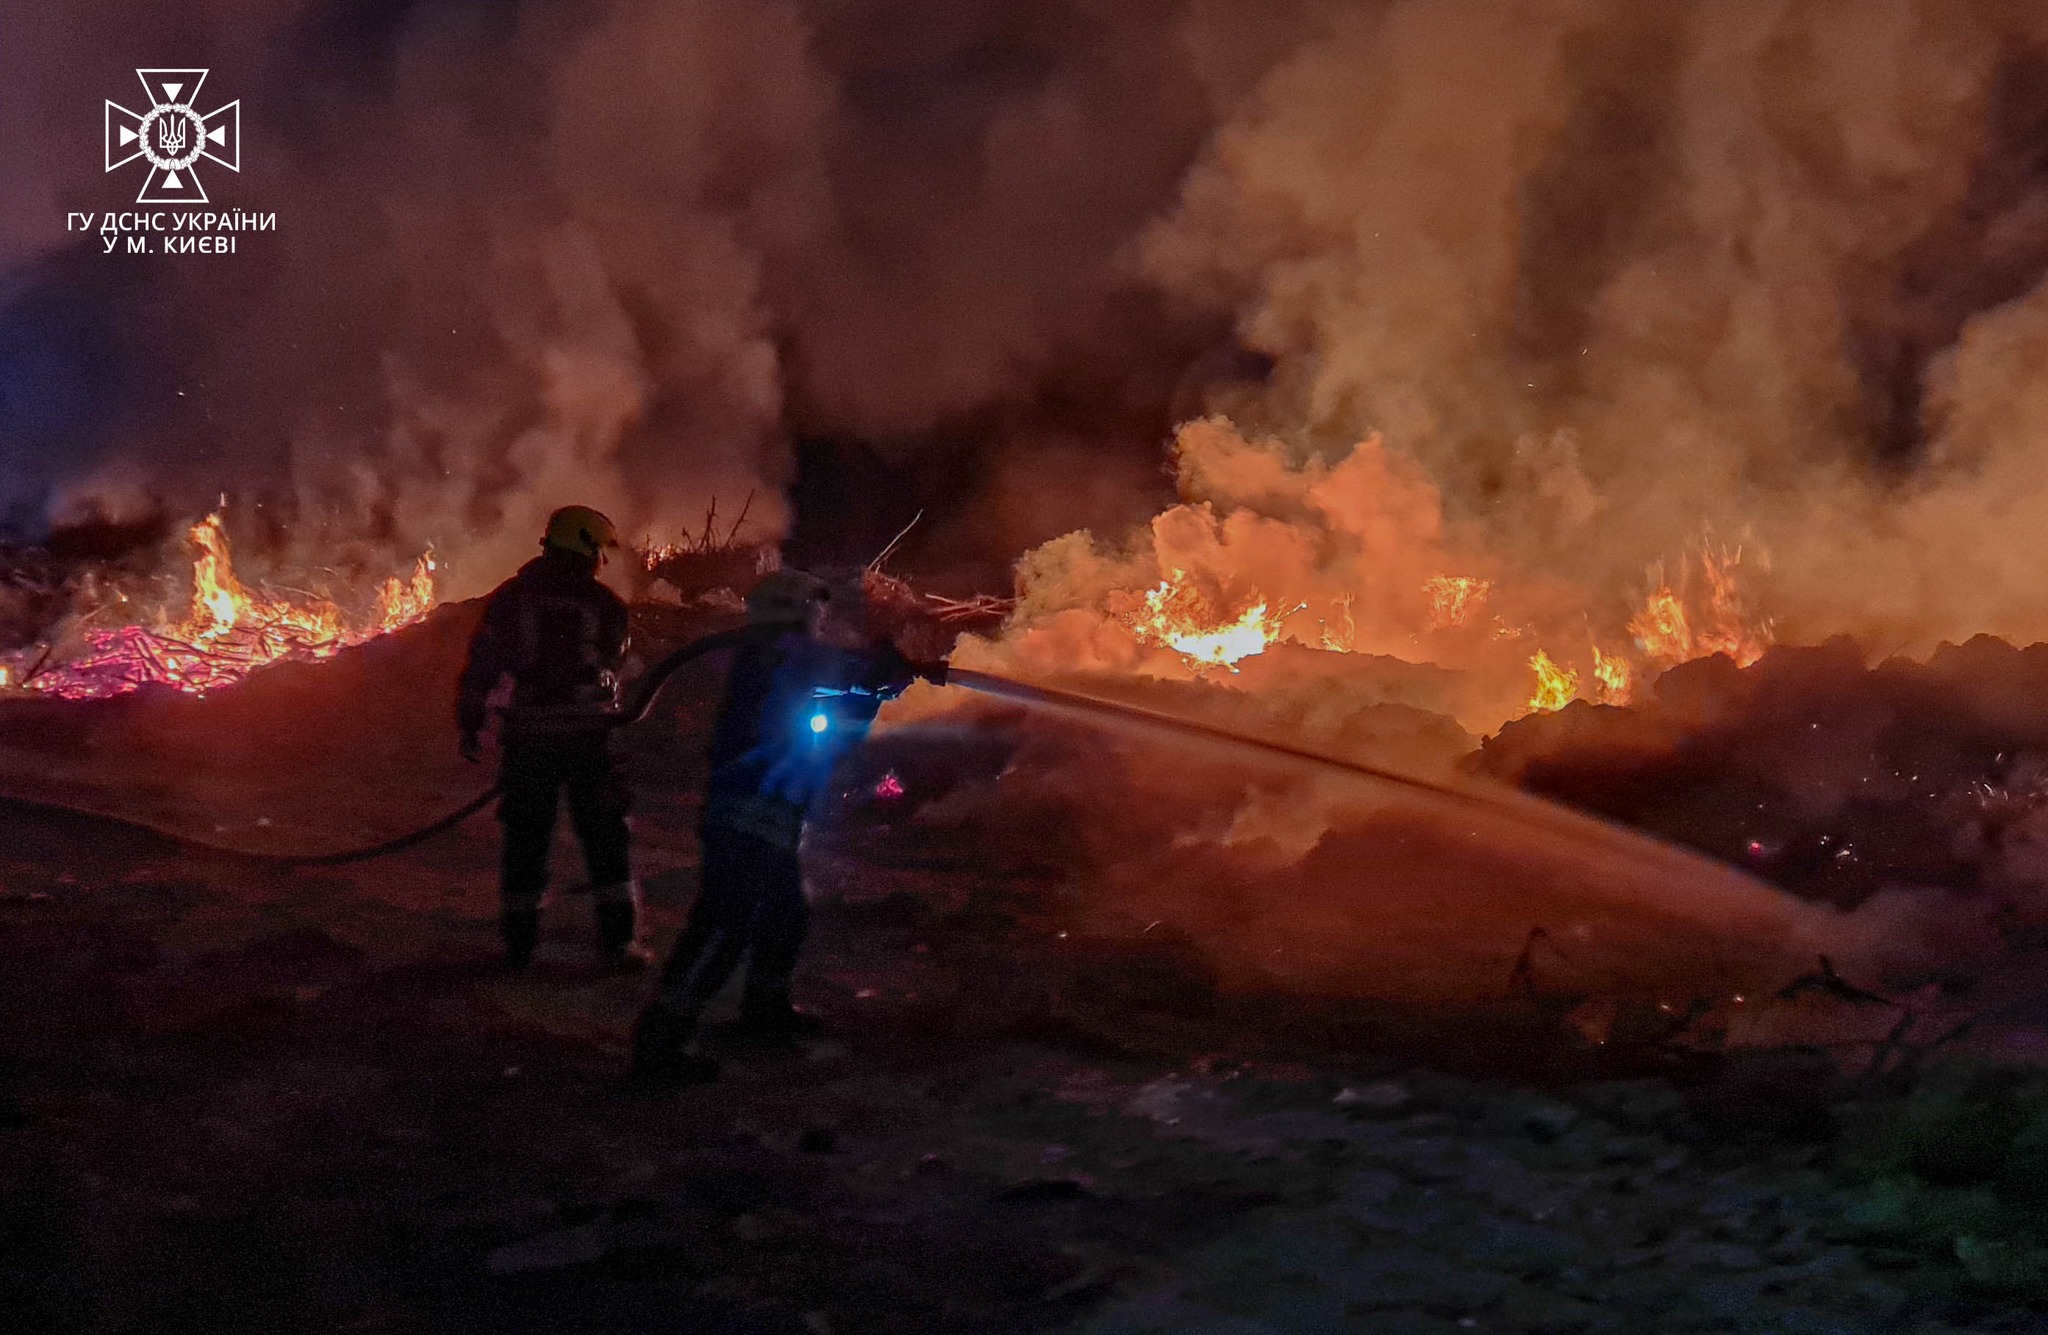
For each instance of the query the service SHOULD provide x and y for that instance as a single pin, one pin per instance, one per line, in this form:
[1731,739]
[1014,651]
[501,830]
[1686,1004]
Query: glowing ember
[1179,616]
[228,631]
[890,787]
[1556,687]
[1454,598]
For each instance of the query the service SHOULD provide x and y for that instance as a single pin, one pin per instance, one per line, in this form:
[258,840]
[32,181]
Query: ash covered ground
[1128,1036]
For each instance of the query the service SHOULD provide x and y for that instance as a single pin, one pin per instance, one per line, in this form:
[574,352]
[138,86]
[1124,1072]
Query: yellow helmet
[580,529]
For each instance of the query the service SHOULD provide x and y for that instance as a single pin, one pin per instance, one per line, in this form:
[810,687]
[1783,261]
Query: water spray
[1531,812]
[639,702]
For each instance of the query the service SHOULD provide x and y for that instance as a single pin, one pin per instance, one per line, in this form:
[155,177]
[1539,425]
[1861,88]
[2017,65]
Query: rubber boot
[661,1056]
[617,938]
[522,935]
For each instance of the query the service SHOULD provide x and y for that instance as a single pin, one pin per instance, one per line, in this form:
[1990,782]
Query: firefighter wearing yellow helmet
[560,636]
[582,530]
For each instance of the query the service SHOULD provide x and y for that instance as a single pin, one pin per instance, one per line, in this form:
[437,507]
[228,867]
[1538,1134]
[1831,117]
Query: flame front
[1177,615]
[1614,675]
[1556,687]
[402,602]
[218,598]
[227,632]
[1353,552]
[1454,598]
[1664,628]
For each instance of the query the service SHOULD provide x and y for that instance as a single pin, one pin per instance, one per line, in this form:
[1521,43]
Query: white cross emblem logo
[173,136]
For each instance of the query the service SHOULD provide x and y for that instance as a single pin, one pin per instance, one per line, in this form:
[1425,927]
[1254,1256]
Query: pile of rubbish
[1829,777]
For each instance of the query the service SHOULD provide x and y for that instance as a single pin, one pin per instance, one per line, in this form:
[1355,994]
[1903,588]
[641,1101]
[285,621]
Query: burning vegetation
[225,630]
[1352,555]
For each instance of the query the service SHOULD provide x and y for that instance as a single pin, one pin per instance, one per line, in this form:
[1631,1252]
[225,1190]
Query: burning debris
[1182,617]
[1836,780]
[1664,628]
[226,631]
[708,567]
[1350,554]
[1556,687]
[1454,598]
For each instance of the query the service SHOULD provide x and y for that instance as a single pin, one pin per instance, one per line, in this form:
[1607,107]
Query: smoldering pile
[80,574]
[1893,818]
[1834,780]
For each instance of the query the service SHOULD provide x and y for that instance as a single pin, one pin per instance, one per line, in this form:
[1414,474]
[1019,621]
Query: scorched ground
[238,1098]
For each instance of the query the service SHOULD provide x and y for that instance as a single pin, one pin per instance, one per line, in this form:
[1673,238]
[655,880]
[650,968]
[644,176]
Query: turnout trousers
[751,903]
[538,771]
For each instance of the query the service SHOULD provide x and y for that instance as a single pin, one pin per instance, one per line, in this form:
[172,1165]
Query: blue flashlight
[819,723]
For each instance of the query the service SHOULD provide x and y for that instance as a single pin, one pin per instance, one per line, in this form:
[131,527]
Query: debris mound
[1832,778]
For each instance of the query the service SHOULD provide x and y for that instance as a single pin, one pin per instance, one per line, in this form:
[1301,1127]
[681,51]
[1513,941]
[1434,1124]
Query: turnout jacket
[557,632]
[793,709]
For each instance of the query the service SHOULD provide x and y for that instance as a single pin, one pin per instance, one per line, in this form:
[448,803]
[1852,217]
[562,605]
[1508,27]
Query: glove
[472,747]
[935,673]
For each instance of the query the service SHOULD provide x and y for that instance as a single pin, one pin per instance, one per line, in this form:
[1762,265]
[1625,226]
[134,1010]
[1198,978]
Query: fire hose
[636,706]
[639,702]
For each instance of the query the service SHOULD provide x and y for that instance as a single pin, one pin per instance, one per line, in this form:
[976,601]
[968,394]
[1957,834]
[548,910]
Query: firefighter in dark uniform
[801,695]
[561,636]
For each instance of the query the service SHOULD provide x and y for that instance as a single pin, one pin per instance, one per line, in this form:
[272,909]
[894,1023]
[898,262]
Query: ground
[237,1097]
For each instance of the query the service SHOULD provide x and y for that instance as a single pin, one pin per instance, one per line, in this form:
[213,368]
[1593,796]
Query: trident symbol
[173,136]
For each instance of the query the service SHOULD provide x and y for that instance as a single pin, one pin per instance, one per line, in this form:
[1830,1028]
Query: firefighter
[561,637]
[800,696]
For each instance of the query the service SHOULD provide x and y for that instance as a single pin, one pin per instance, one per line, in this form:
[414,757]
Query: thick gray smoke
[1615,270]
[1610,270]
[618,251]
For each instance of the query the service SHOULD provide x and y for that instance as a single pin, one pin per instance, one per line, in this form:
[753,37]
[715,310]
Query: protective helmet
[580,529]
[785,596]
[849,602]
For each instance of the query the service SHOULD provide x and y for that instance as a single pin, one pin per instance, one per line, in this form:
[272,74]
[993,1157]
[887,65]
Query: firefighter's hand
[472,747]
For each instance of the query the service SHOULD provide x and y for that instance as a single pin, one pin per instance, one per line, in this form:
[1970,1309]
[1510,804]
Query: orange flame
[227,632]
[1454,598]
[402,602]
[1664,628]
[1614,675]
[1343,637]
[1178,615]
[1660,629]
[1556,687]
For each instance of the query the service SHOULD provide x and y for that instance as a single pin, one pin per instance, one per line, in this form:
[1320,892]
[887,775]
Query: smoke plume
[606,250]
[1606,273]
[1613,272]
